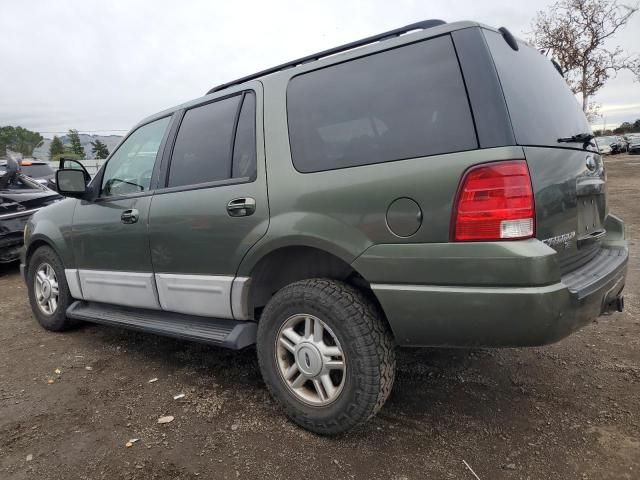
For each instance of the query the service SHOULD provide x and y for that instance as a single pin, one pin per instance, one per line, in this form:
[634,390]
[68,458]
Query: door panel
[191,232]
[110,234]
[102,241]
[200,232]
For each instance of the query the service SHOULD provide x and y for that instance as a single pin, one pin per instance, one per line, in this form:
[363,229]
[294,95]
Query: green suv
[435,185]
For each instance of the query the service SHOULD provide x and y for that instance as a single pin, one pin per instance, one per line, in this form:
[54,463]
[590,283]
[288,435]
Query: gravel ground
[569,410]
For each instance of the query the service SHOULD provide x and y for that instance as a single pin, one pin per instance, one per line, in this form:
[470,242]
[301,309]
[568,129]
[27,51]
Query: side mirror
[71,183]
[71,164]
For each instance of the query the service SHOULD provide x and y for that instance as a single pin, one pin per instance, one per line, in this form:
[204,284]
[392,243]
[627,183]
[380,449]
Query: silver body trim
[120,288]
[205,295]
[401,287]
[240,298]
[216,296]
[73,282]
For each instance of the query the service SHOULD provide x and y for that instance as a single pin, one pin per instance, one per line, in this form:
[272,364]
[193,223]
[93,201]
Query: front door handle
[241,207]
[129,216]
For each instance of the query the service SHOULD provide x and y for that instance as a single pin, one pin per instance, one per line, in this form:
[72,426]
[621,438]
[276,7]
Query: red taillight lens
[494,202]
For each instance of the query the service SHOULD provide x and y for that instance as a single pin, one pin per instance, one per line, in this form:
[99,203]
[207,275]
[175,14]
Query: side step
[232,334]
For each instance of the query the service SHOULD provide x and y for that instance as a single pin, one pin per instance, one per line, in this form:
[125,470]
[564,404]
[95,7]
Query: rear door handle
[129,216]
[241,207]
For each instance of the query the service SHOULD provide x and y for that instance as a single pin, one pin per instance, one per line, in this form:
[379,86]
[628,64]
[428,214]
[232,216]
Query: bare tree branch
[574,32]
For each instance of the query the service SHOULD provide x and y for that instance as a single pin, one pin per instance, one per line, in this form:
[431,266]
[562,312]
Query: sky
[102,66]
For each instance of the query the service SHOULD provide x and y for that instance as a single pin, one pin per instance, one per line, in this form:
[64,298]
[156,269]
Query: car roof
[409,33]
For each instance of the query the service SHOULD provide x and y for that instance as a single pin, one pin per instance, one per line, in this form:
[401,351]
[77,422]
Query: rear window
[37,170]
[541,105]
[402,103]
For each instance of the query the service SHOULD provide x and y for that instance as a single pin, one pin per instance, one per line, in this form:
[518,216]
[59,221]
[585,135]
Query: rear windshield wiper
[584,138]
[579,138]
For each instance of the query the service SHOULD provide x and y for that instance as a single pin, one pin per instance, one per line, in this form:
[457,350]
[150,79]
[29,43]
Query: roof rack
[332,51]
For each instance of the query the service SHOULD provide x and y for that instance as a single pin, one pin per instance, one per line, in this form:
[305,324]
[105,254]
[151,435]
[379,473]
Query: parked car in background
[40,171]
[457,201]
[20,197]
[634,144]
[605,145]
[620,145]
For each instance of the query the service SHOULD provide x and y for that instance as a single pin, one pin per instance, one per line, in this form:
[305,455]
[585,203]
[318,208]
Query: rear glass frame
[465,114]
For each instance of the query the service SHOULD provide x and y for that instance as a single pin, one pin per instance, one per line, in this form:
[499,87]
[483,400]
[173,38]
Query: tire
[55,320]
[360,331]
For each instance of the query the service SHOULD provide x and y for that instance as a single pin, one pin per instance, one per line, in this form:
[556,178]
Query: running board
[234,334]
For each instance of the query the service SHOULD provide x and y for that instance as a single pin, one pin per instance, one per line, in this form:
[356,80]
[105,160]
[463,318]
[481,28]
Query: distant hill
[111,141]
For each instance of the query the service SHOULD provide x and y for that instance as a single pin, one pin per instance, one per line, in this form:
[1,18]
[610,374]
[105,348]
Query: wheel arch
[288,264]
[37,241]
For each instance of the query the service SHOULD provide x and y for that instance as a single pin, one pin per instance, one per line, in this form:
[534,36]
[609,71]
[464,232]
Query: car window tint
[541,105]
[402,103]
[202,151]
[130,167]
[244,149]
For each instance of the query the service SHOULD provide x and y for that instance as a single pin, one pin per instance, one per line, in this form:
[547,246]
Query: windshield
[540,103]
[606,140]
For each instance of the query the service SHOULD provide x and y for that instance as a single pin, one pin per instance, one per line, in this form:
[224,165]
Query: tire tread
[375,350]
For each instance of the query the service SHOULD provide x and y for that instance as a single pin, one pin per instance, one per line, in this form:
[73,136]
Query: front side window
[130,168]
[402,103]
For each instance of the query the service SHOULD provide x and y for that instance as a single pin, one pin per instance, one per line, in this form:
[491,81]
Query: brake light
[494,202]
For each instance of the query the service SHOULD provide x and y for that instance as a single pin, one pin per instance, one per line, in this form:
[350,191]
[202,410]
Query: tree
[66,154]
[19,140]
[573,32]
[74,140]
[6,139]
[56,148]
[99,149]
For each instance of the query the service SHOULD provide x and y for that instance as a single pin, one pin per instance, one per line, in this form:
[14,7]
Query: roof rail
[332,51]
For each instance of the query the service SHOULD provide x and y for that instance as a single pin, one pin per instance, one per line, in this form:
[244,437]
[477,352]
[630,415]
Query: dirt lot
[570,410]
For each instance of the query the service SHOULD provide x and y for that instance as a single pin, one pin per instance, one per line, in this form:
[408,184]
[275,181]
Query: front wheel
[326,354]
[48,290]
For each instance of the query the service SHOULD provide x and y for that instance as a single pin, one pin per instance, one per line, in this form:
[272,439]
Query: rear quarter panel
[344,211]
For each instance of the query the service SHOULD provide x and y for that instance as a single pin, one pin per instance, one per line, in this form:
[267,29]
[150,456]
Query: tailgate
[567,174]
[571,203]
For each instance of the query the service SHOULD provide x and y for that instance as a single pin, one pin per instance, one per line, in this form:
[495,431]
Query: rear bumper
[467,315]
[425,315]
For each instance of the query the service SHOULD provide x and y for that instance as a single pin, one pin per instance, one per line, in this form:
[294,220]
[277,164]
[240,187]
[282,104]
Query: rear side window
[216,141]
[541,105]
[244,147]
[402,103]
[202,151]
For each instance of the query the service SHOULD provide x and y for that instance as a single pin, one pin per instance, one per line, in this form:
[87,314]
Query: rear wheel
[48,291]
[326,355]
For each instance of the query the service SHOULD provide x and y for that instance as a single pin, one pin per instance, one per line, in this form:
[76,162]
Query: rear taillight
[494,202]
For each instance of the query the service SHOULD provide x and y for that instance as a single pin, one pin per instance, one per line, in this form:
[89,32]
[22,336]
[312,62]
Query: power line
[91,131]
